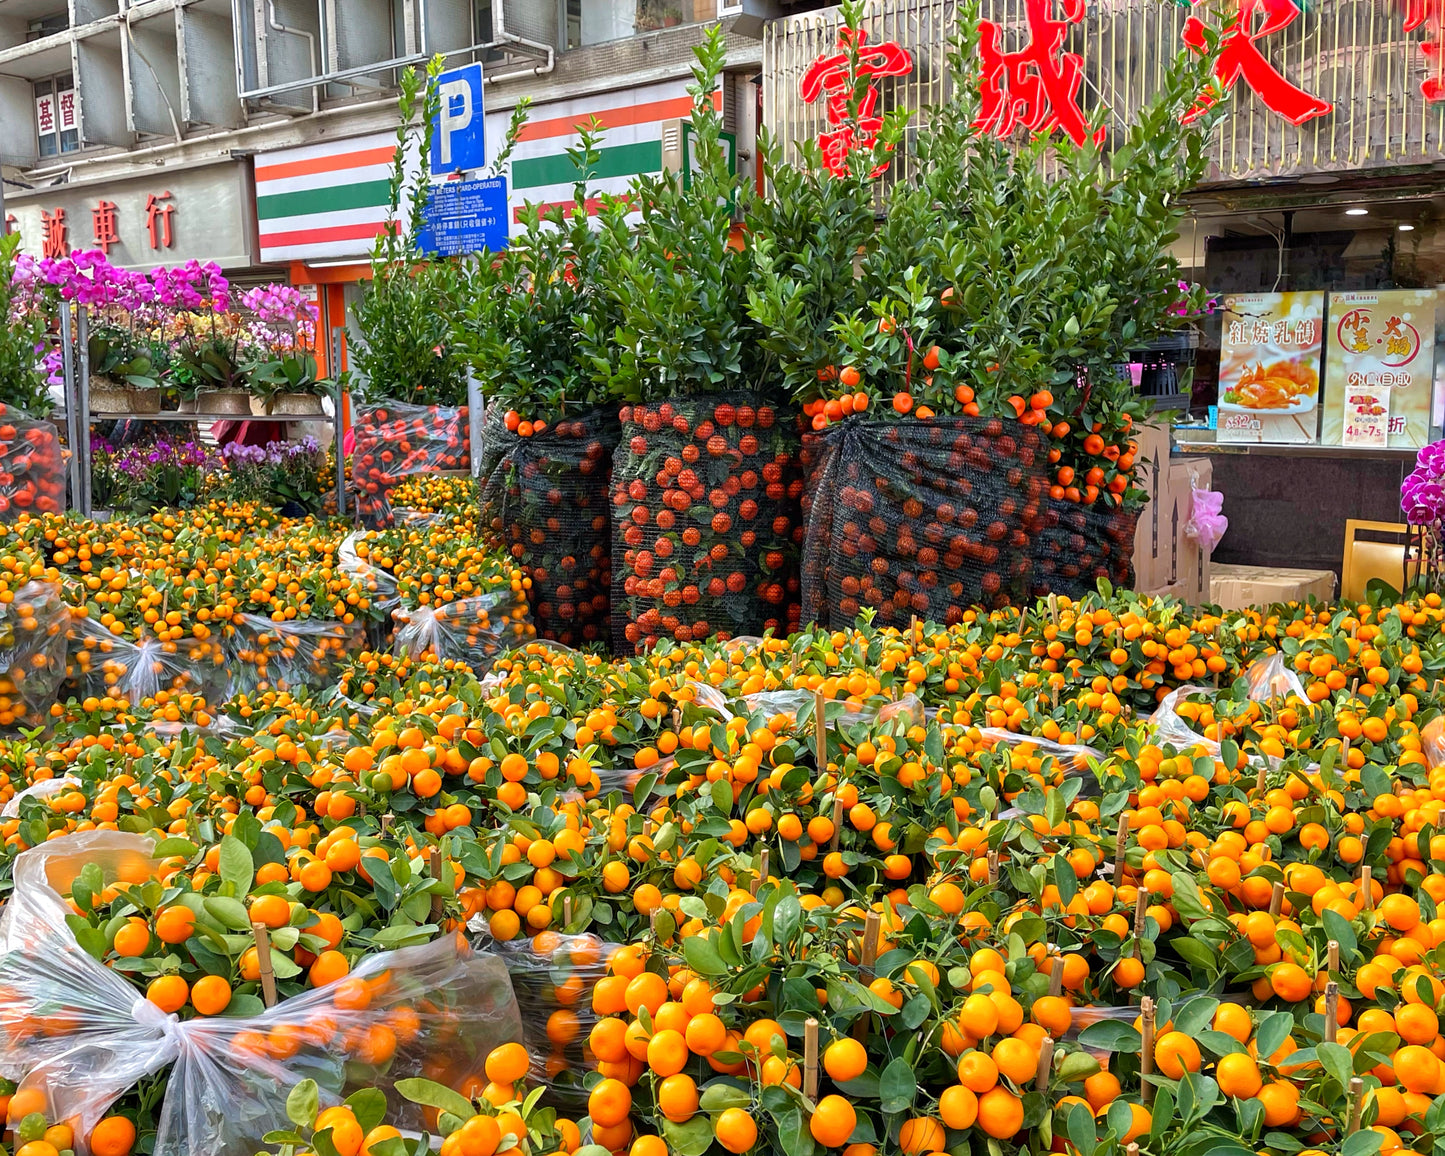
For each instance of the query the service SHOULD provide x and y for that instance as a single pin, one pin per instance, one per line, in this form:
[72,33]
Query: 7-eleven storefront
[320,207]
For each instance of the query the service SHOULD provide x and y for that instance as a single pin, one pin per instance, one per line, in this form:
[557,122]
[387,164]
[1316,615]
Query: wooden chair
[1366,559]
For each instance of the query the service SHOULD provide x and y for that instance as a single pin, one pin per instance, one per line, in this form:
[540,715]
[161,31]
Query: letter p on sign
[458,142]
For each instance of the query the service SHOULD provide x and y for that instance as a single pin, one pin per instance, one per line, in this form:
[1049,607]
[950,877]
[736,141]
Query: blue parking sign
[457,142]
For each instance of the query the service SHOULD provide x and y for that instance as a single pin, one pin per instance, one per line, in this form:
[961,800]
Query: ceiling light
[1357,212]
[1407,228]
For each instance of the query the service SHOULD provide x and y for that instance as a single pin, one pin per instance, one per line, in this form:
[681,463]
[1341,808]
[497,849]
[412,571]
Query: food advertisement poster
[1269,367]
[1379,368]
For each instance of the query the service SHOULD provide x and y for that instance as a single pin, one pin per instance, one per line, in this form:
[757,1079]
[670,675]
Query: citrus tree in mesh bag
[102,664]
[705,494]
[547,497]
[78,1034]
[34,637]
[1075,546]
[922,518]
[266,654]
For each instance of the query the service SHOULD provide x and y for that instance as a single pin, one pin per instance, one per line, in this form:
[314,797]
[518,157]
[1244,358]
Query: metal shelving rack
[76,357]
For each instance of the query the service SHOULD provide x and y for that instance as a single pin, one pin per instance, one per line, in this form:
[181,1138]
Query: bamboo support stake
[837,824]
[1146,1054]
[386,821]
[810,1059]
[820,731]
[1132,1149]
[992,861]
[1276,899]
[1367,888]
[263,961]
[1056,977]
[438,902]
[872,926]
[1259,781]
[1121,845]
[1332,1011]
[1046,1063]
[1357,1104]
[566,911]
[1332,954]
[1141,910]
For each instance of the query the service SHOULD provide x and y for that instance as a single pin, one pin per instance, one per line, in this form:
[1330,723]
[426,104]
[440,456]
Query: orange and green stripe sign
[324,200]
[543,173]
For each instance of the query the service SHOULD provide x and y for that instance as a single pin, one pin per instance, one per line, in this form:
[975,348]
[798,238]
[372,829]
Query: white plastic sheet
[81,1034]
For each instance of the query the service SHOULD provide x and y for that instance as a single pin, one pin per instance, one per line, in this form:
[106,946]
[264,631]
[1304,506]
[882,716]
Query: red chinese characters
[53,242]
[1240,56]
[103,221]
[1429,14]
[158,219]
[837,75]
[1037,86]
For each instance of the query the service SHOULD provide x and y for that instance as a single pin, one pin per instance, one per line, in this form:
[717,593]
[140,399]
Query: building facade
[259,133]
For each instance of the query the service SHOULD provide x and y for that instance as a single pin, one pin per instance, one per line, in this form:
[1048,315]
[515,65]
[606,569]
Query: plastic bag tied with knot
[471,630]
[34,638]
[77,1034]
[104,665]
[289,654]
[1207,523]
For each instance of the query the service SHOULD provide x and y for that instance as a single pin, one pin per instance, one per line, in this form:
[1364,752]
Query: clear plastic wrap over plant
[379,583]
[32,468]
[102,664]
[290,654]
[34,637]
[705,520]
[908,707]
[437,1007]
[547,496]
[471,630]
[923,518]
[392,440]
[553,976]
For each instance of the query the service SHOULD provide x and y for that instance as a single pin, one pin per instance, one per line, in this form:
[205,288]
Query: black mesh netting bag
[705,520]
[546,496]
[922,516]
[1076,545]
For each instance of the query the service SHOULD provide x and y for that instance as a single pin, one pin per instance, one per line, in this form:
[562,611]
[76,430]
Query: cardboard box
[1165,558]
[1185,476]
[1151,540]
[1235,587]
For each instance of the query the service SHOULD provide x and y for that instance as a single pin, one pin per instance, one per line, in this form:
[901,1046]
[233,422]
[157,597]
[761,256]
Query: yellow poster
[1269,359]
[1379,361]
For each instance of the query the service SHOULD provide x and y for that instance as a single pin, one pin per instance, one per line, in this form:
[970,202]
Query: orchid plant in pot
[286,378]
[1422,501]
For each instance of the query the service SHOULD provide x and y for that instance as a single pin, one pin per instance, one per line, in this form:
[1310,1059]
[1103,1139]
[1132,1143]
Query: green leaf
[368,1106]
[303,1103]
[721,1096]
[1338,928]
[690,1139]
[897,1086]
[786,917]
[236,866]
[1336,1060]
[1112,1036]
[702,956]
[228,912]
[433,1095]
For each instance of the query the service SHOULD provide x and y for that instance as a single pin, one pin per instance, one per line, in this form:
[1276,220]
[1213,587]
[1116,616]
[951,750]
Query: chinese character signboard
[1269,367]
[835,73]
[140,222]
[1379,368]
[1038,86]
[45,114]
